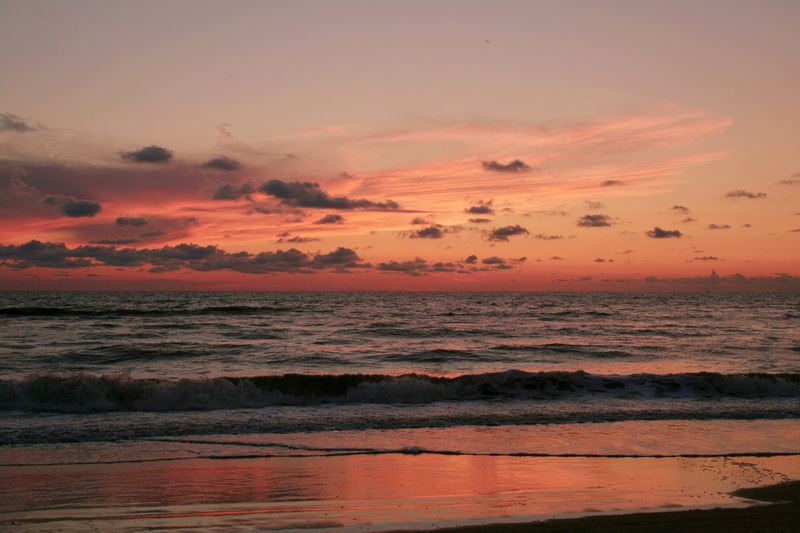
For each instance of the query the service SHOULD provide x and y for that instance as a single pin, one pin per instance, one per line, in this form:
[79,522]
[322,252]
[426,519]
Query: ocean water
[87,368]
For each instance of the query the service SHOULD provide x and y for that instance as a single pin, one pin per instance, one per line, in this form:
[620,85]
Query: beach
[781,516]
[399,493]
[347,482]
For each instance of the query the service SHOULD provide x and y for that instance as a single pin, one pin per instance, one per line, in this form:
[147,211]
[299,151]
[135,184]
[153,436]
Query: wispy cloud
[131,221]
[330,219]
[794,179]
[11,122]
[741,193]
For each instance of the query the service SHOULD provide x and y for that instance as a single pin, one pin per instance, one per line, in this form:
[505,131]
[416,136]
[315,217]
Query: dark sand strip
[780,514]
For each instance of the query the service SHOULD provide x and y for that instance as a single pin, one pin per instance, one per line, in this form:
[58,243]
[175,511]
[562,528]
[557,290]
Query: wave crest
[75,393]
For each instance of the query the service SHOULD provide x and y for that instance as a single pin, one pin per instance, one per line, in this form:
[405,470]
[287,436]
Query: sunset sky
[399,145]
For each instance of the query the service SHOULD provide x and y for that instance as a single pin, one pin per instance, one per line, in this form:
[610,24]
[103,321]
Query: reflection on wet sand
[369,492]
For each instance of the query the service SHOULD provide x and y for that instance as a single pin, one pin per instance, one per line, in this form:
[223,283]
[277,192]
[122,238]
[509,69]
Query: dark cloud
[420,267]
[148,154]
[496,262]
[682,209]
[601,260]
[556,258]
[297,239]
[611,183]
[154,233]
[229,191]
[480,210]
[416,267]
[594,221]
[591,204]
[308,194]
[339,259]
[479,220]
[543,237]
[431,232]
[516,165]
[131,221]
[73,207]
[503,233]
[11,122]
[330,219]
[707,258]
[223,163]
[794,179]
[42,254]
[740,193]
[687,220]
[419,221]
[471,259]
[658,233]
[501,263]
[483,208]
[719,226]
[170,258]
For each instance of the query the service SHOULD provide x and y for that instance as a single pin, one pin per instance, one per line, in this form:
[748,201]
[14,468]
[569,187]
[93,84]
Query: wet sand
[395,492]
[780,514]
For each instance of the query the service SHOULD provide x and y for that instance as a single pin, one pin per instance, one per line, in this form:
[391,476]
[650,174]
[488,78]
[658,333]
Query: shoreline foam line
[335,452]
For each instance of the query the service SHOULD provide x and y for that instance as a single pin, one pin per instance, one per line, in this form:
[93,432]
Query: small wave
[437,355]
[256,335]
[88,393]
[111,354]
[664,333]
[569,313]
[571,349]
[391,329]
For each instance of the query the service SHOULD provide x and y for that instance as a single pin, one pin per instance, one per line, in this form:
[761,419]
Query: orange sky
[614,155]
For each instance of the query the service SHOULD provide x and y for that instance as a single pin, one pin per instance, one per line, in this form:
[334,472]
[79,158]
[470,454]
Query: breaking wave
[77,393]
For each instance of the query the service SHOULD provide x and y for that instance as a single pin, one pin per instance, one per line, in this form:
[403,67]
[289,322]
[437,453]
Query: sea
[136,377]
[126,365]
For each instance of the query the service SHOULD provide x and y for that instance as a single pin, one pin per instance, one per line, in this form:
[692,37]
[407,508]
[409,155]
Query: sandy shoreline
[781,512]
[398,492]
